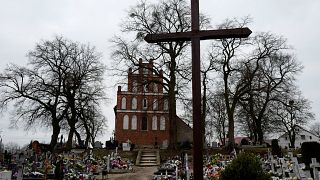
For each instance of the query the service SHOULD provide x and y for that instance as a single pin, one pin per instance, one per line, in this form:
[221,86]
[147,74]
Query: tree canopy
[62,87]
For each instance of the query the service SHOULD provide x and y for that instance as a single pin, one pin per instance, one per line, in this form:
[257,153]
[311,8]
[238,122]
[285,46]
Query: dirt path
[140,173]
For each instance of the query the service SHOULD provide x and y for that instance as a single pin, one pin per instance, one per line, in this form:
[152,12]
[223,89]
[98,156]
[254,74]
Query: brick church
[142,112]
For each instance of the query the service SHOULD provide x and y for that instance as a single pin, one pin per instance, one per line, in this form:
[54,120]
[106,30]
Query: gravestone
[164,144]
[297,170]
[187,167]
[315,165]
[5,175]
[272,161]
[283,167]
[214,144]
[97,144]
[126,146]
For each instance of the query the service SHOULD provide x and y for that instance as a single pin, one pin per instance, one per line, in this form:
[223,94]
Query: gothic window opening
[126,122]
[134,122]
[144,103]
[165,105]
[145,71]
[134,86]
[162,123]
[154,123]
[123,103]
[155,104]
[155,88]
[134,103]
[144,123]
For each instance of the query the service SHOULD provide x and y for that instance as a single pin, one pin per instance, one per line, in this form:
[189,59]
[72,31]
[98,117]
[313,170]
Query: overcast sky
[25,22]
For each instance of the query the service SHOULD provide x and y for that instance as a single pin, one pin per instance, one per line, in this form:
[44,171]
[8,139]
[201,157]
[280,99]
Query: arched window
[162,123]
[134,103]
[144,103]
[155,88]
[134,122]
[145,71]
[123,103]
[134,86]
[144,123]
[126,122]
[155,104]
[154,123]
[165,105]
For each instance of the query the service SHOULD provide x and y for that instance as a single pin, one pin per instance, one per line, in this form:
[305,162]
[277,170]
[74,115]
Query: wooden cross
[195,36]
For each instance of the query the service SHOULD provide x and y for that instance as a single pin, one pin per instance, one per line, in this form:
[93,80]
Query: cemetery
[101,163]
[183,109]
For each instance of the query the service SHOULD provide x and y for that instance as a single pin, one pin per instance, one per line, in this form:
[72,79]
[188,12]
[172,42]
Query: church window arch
[162,123]
[134,103]
[155,104]
[144,103]
[123,103]
[125,122]
[134,122]
[154,123]
[165,105]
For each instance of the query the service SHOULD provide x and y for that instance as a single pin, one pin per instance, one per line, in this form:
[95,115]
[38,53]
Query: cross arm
[203,35]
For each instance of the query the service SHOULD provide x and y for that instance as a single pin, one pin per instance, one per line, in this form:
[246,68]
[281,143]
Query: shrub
[245,166]
[310,150]
[185,145]
[244,141]
[276,150]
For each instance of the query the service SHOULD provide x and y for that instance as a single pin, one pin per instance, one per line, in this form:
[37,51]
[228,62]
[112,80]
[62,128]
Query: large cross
[195,35]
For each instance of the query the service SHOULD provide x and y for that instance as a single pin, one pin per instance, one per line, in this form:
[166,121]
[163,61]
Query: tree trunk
[292,140]
[172,119]
[79,138]
[72,120]
[204,108]
[87,141]
[55,134]
[70,137]
[259,130]
[172,105]
[231,142]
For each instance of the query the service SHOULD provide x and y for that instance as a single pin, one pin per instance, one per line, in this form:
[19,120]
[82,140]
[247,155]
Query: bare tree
[226,55]
[12,147]
[291,111]
[218,120]
[35,96]
[60,73]
[91,124]
[267,72]
[315,128]
[164,17]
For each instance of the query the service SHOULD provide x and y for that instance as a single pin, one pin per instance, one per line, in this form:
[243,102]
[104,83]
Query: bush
[185,145]
[244,141]
[276,150]
[245,166]
[310,150]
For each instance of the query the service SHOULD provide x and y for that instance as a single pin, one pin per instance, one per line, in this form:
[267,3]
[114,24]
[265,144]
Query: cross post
[195,35]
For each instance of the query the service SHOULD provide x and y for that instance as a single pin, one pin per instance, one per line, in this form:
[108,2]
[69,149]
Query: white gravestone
[5,175]
[297,170]
[315,165]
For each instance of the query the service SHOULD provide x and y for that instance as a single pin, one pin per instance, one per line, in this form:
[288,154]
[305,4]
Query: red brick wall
[138,136]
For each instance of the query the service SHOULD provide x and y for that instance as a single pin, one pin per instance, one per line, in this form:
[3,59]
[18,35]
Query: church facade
[142,110]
